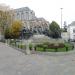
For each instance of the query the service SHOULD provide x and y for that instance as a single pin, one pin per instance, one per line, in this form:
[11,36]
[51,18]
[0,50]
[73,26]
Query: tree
[65,26]
[64,29]
[16,28]
[55,30]
[7,33]
[4,21]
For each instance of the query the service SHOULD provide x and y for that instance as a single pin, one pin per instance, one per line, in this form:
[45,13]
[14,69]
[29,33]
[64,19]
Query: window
[31,12]
[17,14]
[26,12]
[73,30]
[74,37]
[22,12]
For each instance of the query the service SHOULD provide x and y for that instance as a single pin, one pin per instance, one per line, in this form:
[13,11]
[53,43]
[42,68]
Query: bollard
[27,48]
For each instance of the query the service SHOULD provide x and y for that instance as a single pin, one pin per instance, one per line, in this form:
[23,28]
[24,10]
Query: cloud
[49,9]
[26,1]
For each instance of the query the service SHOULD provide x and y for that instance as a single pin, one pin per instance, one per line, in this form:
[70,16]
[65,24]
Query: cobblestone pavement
[13,62]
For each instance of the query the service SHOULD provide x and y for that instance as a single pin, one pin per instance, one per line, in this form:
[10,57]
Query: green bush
[39,49]
[30,46]
[50,50]
[45,47]
[54,47]
[61,49]
[39,45]
[21,46]
[69,45]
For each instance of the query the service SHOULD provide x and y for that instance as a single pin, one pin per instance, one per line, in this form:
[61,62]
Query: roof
[23,8]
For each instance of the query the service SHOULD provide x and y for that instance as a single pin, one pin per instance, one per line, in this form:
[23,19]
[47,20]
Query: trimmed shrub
[39,45]
[55,47]
[30,46]
[45,47]
[39,49]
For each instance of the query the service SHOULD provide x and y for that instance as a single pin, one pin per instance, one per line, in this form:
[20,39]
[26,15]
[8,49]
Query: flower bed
[54,47]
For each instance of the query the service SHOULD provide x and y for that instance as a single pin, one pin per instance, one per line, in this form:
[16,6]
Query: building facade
[29,20]
[24,14]
[71,31]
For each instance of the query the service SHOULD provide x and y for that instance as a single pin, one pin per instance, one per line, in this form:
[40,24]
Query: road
[13,62]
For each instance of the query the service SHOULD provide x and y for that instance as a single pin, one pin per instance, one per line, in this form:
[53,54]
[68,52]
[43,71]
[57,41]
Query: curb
[56,53]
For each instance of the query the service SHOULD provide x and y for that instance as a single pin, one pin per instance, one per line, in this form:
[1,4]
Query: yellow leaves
[17,25]
[16,28]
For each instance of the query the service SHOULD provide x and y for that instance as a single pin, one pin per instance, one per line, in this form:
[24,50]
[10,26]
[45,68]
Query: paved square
[13,62]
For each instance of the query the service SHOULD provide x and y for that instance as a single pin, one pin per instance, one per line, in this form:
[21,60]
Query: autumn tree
[4,20]
[16,28]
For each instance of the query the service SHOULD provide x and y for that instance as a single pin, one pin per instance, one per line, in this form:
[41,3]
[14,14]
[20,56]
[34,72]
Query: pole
[61,17]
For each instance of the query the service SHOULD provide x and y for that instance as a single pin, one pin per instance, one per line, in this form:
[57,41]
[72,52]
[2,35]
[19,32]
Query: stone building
[29,20]
[24,14]
[71,31]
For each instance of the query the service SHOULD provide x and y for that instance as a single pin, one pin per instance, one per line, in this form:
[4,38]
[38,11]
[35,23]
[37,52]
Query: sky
[48,9]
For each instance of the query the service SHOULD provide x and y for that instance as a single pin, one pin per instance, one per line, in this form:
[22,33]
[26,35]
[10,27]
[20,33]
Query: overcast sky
[49,9]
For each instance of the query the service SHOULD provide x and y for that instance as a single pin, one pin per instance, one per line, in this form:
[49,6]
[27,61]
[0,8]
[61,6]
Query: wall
[71,33]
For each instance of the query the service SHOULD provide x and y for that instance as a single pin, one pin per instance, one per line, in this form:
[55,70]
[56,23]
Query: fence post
[27,48]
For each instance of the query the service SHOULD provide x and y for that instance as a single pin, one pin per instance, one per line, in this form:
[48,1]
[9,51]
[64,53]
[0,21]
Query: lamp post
[61,17]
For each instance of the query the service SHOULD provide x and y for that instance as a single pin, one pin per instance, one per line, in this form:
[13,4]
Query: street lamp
[61,17]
